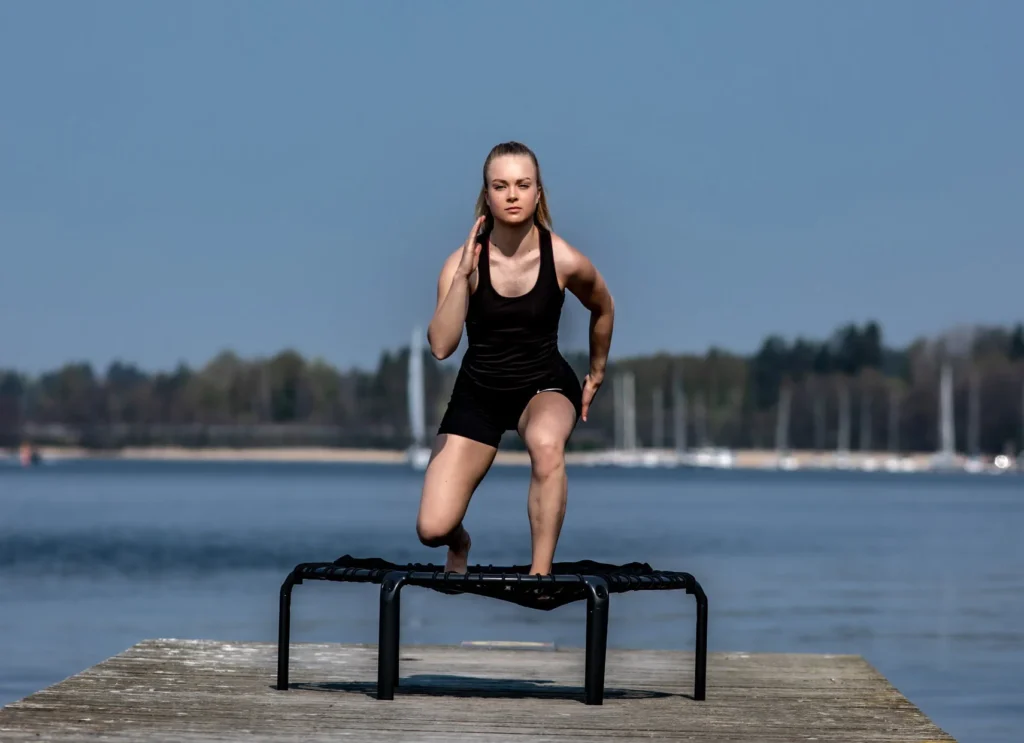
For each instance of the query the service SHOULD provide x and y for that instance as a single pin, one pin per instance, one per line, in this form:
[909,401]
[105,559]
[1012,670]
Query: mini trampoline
[567,583]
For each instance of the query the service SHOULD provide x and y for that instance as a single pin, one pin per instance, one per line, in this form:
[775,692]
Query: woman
[506,284]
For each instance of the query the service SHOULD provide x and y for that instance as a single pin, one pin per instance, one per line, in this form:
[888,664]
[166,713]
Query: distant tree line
[848,391]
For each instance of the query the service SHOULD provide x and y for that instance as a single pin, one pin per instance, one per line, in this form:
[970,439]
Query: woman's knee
[434,531]
[458,466]
[441,509]
[547,453]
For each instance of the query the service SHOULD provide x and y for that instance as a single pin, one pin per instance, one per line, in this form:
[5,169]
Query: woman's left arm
[584,280]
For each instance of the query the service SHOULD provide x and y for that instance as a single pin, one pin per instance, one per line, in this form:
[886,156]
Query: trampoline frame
[597,589]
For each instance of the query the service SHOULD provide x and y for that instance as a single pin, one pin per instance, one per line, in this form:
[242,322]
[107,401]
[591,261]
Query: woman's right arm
[445,329]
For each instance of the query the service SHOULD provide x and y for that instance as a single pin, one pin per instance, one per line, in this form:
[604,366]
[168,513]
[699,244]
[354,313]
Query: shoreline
[757,459]
[291,454]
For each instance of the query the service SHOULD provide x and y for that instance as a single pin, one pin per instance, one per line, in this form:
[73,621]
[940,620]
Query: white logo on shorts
[550,389]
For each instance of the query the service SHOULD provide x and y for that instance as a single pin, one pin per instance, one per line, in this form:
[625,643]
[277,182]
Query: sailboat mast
[946,432]
[629,395]
[782,420]
[658,413]
[865,420]
[819,417]
[843,442]
[679,413]
[617,400]
[894,421]
[974,415]
[415,392]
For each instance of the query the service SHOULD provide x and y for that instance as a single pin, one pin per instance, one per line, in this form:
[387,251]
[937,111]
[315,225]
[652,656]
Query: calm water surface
[921,574]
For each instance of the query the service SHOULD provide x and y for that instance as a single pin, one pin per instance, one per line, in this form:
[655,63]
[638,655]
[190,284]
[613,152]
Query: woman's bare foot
[458,556]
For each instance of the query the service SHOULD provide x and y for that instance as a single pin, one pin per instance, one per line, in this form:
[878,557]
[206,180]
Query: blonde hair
[542,215]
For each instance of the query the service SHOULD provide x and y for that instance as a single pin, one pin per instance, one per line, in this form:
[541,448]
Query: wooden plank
[205,690]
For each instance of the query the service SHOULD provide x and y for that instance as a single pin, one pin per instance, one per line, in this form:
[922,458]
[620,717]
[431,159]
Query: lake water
[921,574]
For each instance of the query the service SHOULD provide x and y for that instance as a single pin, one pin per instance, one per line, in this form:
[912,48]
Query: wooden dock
[162,690]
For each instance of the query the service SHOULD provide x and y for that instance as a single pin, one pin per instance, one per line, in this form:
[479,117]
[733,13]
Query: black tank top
[513,341]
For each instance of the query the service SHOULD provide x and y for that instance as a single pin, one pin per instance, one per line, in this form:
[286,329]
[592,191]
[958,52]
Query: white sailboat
[974,463]
[842,455]
[417,455]
[945,458]
[784,458]
[625,453]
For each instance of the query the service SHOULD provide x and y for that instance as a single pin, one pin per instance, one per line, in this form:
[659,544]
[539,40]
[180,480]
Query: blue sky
[178,178]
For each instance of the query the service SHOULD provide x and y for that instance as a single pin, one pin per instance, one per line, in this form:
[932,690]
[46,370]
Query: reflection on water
[921,574]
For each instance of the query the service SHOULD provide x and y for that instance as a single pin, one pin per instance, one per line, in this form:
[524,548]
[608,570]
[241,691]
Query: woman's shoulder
[569,260]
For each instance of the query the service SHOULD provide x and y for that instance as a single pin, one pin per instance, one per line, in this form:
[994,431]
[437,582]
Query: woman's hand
[470,251]
[591,384]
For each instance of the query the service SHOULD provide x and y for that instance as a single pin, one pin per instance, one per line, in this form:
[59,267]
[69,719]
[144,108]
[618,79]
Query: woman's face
[512,190]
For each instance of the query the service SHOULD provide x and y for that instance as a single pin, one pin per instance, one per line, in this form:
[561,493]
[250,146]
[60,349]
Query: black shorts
[484,414]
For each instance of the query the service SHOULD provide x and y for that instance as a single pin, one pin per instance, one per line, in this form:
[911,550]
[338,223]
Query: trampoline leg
[388,636]
[398,633]
[284,621]
[700,669]
[597,640]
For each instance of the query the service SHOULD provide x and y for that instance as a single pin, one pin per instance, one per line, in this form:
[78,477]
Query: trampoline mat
[533,594]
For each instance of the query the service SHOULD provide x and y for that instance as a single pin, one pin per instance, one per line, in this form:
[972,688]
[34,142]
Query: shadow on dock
[470,687]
